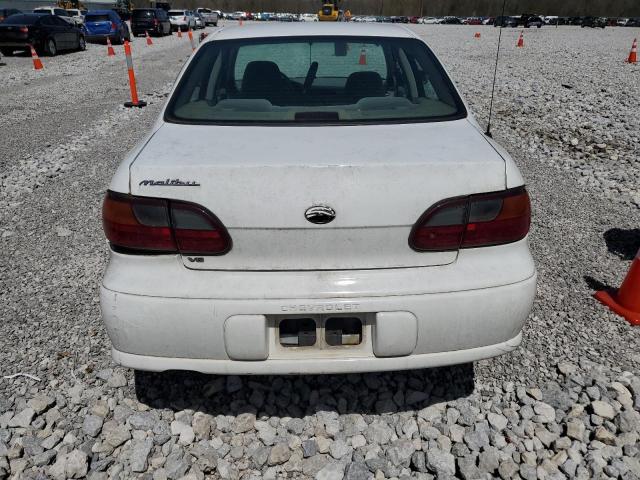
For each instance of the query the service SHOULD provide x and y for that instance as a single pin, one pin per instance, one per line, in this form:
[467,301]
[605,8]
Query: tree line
[607,8]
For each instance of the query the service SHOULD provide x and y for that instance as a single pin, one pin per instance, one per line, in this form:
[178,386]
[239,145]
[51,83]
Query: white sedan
[315,198]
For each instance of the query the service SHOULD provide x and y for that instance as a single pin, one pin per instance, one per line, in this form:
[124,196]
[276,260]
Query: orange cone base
[610,301]
[140,104]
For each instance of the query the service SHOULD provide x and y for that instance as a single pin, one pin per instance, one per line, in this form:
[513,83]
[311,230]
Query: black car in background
[593,22]
[152,20]
[528,21]
[48,34]
[505,21]
[451,21]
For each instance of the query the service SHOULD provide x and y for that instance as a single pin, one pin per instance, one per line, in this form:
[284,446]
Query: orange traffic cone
[520,43]
[193,44]
[37,63]
[149,42]
[633,54]
[110,51]
[135,102]
[477,35]
[179,32]
[626,301]
[363,57]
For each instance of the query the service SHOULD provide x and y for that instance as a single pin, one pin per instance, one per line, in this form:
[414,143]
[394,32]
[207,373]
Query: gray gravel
[565,405]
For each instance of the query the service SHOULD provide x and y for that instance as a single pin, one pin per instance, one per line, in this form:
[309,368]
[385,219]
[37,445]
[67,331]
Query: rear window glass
[97,17]
[21,19]
[176,13]
[314,79]
[143,13]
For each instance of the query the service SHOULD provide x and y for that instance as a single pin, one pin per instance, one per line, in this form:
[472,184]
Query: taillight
[156,225]
[24,29]
[113,26]
[474,221]
[184,18]
[197,231]
[155,21]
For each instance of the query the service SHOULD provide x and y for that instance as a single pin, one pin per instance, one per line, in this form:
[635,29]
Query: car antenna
[495,72]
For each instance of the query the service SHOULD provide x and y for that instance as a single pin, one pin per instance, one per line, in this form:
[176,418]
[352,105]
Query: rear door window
[59,22]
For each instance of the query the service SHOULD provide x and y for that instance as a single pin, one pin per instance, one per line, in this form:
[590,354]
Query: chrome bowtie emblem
[320,214]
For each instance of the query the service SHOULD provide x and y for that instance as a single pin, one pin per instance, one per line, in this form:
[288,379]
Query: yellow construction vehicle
[330,12]
[68,4]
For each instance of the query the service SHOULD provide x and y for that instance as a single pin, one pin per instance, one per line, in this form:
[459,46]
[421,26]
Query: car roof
[39,15]
[316,29]
[100,12]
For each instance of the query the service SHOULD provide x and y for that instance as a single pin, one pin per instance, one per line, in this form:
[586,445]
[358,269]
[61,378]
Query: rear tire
[82,44]
[50,48]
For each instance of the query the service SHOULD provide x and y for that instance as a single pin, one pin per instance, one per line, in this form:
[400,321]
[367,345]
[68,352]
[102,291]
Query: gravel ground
[566,404]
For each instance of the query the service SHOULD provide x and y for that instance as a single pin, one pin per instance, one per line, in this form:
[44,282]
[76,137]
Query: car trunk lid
[260,182]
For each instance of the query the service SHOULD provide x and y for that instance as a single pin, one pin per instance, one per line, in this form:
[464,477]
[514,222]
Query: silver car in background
[77,15]
[181,20]
[208,16]
[59,12]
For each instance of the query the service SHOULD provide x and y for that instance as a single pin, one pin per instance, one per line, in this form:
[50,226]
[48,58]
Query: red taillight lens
[475,221]
[24,29]
[113,26]
[155,21]
[197,231]
[137,223]
[156,225]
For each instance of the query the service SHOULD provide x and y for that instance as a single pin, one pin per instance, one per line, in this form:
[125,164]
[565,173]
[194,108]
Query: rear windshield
[143,13]
[97,17]
[19,19]
[176,13]
[314,80]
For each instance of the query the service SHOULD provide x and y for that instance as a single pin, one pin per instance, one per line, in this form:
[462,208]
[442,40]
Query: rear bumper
[314,366]
[93,37]
[175,318]
[143,28]
[16,44]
